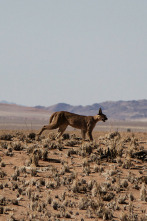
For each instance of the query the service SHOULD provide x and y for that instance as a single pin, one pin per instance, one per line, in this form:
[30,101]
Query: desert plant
[33,205]
[9,152]
[119,161]
[71,143]
[49,200]
[41,182]
[14,202]
[32,136]
[35,160]
[124,217]
[122,199]
[55,145]
[52,136]
[3,201]
[2,174]
[108,196]
[4,145]
[3,164]
[7,137]
[75,187]
[86,167]
[71,151]
[127,164]
[143,216]
[143,192]
[66,136]
[94,190]
[1,209]
[32,148]
[107,214]
[55,205]
[124,184]
[36,155]
[17,146]
[22,169]
[65,168]
[87,147]
[90,184]
[96,168]
[63,196]
[131,197]
[50,184]
[113,135]
[33,172]
[44,154]
[112,172]
[14,176]
[83,203]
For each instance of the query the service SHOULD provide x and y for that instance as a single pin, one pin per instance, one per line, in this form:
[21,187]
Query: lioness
[62,119]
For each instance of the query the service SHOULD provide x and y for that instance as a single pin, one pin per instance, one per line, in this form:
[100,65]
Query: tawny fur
[62,119]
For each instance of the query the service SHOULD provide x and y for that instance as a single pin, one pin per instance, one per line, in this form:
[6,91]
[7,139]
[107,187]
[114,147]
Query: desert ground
[42,178]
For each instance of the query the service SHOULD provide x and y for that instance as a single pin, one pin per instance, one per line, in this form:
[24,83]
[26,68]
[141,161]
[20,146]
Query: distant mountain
[118,110]
[5,102]
[127,110]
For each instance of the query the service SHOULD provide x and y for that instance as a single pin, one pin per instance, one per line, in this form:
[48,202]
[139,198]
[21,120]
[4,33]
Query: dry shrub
[143,192]
[32,148]
[35,159]
[33,172]
[17,146]
[124,184]
[84,203]
[131,197]
[85,149]
[3,201]
[7,137]
[71,143]
[71,152]
[1,210]
[66,136]
[52,136]
[124,217]
[29,192]
[113,135]
[44,154]
[55,205]
[122,199]
[4,145]
[55,145]
[127,164]
[79,186]
[32,136]
[108,196]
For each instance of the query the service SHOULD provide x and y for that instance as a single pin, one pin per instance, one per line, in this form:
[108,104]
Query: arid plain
[46,179]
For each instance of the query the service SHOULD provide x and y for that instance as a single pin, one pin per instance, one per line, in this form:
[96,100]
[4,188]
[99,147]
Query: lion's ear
[100,111]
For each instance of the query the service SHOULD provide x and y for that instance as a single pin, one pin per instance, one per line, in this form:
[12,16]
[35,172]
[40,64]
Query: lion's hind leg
[61,130]
[48,127]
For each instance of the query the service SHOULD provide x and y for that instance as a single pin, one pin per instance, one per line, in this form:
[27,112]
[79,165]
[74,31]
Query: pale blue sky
[72,51]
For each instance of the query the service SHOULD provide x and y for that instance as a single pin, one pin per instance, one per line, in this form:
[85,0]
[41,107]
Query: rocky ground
[67,179]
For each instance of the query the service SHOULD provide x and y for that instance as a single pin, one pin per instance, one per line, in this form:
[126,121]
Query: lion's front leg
[83,132]
[90,135]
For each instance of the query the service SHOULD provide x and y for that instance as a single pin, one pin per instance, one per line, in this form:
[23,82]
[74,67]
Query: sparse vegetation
[67,179]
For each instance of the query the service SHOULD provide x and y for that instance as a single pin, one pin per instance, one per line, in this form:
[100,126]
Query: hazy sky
[72,51]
